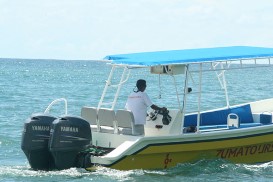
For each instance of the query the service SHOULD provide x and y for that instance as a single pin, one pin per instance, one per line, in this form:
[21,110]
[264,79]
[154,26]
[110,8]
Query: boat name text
[244,151]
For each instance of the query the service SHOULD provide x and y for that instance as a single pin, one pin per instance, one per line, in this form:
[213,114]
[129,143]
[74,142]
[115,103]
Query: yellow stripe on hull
[253,149]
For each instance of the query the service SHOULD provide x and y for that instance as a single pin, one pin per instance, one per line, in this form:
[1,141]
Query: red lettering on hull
[167,161]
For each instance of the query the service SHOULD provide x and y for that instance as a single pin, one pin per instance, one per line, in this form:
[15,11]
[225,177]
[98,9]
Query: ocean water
[28,86]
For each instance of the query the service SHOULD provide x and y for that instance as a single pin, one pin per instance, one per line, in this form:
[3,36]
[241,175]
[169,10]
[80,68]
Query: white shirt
[138,103]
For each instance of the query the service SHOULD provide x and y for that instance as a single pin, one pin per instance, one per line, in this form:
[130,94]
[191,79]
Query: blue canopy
[187,56]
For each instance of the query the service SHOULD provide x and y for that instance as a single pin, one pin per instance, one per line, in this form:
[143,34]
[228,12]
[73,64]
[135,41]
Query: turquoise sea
[28,86]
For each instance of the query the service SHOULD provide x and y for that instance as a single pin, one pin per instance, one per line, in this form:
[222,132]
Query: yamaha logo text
[40,128]
[70,129]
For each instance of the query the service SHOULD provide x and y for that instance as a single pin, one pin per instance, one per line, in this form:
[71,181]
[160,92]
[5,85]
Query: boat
[104,135]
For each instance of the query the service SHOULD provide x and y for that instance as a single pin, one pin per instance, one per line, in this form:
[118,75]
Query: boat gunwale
[117,159]
[191,138]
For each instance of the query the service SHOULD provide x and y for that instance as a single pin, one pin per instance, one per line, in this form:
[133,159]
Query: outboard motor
[68,137]
[35,139]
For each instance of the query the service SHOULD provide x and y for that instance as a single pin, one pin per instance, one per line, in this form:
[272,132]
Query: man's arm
[155,107]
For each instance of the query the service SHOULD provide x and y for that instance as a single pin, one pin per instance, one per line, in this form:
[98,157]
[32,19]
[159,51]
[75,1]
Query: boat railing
[55,102]
[123,78]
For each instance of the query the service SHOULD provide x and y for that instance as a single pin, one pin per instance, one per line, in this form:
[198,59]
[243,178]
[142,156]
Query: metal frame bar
[185,96]
[123,79]
[199,98]
[241,63]
[55,102]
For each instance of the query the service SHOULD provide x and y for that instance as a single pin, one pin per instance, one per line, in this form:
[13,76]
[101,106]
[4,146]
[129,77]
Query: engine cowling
[68,137]
[35,139]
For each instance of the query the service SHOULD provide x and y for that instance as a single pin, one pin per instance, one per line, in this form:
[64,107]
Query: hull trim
[187,142]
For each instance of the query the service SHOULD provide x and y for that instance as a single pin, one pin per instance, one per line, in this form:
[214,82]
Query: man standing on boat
[137,102]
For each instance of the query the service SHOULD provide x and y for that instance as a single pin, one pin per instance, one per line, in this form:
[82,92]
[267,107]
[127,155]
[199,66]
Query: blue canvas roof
[187,56]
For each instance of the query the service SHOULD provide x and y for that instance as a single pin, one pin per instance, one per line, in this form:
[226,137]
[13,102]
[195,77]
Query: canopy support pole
[225,85]
[222,79]
[199,97]
[123,79]
[185,96]
[159,85]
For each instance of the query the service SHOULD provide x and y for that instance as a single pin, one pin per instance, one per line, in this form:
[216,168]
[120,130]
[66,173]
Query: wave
[203,170]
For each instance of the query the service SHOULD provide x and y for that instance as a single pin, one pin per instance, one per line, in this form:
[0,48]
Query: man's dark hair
[140,84]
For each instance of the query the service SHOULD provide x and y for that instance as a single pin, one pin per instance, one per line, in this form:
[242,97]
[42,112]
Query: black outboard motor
[35,139]
[68,137]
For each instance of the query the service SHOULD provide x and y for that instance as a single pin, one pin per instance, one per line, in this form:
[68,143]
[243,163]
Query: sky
[93,29]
